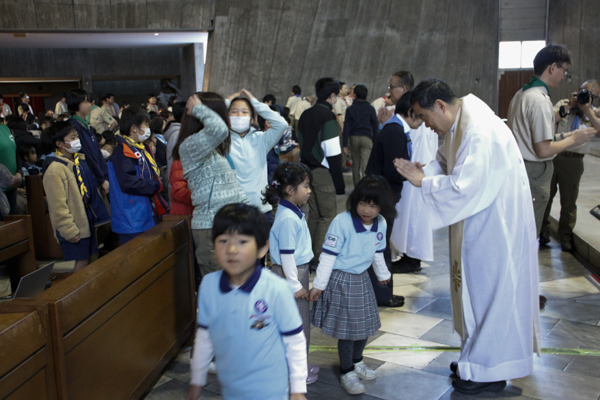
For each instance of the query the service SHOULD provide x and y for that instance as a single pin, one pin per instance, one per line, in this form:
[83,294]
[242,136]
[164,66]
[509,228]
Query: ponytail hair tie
[275,184]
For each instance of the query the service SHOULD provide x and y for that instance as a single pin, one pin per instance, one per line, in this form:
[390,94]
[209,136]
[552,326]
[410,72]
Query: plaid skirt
[347,308]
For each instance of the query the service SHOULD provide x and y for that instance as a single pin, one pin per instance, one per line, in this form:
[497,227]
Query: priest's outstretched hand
[413,172]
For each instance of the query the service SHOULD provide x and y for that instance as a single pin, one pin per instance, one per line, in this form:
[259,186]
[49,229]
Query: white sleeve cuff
[290,271]
[203,354]
[324,270]
[295,353]
[380,267]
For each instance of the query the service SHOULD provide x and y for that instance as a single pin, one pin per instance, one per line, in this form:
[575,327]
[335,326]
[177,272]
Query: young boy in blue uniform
[247,317]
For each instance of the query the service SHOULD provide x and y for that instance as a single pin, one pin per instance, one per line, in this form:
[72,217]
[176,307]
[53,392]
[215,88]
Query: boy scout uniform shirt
[353,245]
[246,326]
[290,235]
[101,120]
[531,119]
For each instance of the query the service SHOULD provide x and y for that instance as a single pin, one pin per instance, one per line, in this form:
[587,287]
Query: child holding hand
[290,241]
[346,307]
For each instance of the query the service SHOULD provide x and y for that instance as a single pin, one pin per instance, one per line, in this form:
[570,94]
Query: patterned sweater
[209,176]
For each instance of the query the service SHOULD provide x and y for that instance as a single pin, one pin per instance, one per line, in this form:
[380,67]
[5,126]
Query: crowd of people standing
[216,159]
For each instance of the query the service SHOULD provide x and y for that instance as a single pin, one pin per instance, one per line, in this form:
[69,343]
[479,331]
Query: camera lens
[583,97]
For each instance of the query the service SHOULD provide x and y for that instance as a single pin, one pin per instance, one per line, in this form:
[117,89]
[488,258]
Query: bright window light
[510,55]
[529,50]
[519,55]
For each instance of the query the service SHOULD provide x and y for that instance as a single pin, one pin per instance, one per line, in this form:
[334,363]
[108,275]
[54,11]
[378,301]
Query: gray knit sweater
[209,176]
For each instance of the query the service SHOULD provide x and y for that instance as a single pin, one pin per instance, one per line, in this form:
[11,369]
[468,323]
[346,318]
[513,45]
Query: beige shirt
[565,125]
[5,110]
[101,121]
[301,107]
[340,108]
[531,119]
[109,109]
[292,103]
[378,103]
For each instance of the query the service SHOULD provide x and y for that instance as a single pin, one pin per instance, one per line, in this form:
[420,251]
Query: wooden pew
[16,246]
[27,360]
[118,322]
[46,245]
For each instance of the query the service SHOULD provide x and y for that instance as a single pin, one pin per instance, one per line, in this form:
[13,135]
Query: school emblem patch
[331,240]
[379,236]
[261,307]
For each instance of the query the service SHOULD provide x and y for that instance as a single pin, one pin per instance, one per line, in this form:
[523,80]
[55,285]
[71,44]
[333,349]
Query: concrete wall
[268,46]
[576,25]
[106,14]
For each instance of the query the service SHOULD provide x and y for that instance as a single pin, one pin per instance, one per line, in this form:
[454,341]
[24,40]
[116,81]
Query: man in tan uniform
[568,165]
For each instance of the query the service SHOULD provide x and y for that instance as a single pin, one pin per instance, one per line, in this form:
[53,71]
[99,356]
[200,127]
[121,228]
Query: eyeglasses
[394,87]
[566,70]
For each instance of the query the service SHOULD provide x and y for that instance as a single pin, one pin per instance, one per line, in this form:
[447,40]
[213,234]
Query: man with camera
[570,114]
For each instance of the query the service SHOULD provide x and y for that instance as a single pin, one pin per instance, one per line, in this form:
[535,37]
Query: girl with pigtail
[290,241]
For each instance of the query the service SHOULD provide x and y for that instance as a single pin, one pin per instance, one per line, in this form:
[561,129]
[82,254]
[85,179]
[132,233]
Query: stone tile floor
[570,320]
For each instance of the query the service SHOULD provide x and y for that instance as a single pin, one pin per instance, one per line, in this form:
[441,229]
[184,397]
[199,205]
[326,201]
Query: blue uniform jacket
[93,154]
[134,190]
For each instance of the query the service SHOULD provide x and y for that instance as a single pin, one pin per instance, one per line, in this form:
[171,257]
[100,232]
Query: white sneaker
[364,372]
[351,383]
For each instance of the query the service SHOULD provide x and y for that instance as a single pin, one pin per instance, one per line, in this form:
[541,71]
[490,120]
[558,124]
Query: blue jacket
[134,190]
[93,154]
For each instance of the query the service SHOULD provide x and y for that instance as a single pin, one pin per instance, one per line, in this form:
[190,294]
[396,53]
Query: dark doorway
[510,83]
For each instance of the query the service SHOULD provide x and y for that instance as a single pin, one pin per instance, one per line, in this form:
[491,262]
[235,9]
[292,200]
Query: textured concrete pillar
[192,69]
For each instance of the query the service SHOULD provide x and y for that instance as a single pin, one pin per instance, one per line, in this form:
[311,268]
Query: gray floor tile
[585,365]
[175,390]
[593,300]
[571,310]
[451,394]
[442,333]
[441,365]
[439,308]
[547,323]
[551,274]
[323,391]
[576,334]
[438,286]
[550,384]
[394,382]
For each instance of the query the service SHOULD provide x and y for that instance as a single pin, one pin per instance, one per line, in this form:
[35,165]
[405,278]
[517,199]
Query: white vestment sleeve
[295,353]
[290,271]
[326,262]
[203,354]
[380,267]
[480,171]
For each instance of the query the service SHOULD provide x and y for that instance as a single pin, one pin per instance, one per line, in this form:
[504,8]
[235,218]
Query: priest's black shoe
[406,265]
[470,387]
[543,301]
[544,238]
[454,366]
[395,301]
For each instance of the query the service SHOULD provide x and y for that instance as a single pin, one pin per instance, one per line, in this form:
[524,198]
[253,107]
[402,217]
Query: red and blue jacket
[134,190]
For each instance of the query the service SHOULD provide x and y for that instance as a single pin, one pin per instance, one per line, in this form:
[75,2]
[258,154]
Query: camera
[584,96]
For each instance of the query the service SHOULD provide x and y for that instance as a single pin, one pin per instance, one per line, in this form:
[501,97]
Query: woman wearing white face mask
[135,200]
[74,203]
[249,146]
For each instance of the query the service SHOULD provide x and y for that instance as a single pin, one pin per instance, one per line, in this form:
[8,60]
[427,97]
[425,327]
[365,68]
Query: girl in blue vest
[346,307]
[74,204]
[135,199]
[290,241]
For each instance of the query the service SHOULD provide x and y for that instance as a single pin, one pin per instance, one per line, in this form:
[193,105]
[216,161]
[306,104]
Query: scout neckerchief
[534,82]
[84,192]
[83,121]
[148,156]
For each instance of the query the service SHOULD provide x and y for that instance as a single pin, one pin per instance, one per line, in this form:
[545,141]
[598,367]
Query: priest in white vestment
[478,186]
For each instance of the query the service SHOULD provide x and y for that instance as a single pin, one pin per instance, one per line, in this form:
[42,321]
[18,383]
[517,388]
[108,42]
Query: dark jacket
[93,154]
[391,143]
[361,120]
[316,125]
